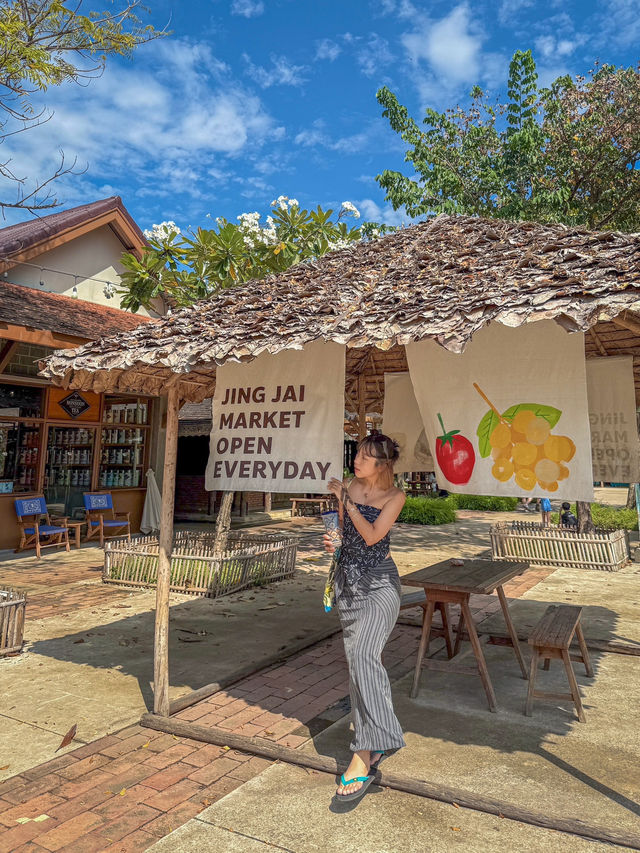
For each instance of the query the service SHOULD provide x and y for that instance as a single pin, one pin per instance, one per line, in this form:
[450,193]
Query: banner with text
[509,416]
[401,421]
[612,413]
[278,422]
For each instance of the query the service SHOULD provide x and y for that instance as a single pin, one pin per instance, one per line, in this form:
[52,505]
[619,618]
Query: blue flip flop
[381,757]
[355,795]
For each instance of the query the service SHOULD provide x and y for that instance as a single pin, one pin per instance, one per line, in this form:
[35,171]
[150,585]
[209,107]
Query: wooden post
[362,409]
[223,522]
[161,643]
[585,520]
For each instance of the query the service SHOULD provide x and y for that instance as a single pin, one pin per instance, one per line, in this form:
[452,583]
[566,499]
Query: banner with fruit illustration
[401,421]
[508,416]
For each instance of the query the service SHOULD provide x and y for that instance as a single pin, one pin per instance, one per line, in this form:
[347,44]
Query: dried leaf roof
[442,279]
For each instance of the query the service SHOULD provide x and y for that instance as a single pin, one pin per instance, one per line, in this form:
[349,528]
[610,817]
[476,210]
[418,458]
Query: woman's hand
[329,544]
[336,488]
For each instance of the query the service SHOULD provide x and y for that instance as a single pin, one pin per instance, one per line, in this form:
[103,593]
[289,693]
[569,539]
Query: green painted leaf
[551,415]
[486,426]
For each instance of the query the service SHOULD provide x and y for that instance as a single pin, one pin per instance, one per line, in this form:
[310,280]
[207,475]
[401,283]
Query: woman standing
[367,587]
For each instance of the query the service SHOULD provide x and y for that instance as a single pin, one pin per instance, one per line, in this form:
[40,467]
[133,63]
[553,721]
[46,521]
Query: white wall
[94,254]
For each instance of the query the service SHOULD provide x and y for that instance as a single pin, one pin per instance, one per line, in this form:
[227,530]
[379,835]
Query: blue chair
[101,516]
[31,512]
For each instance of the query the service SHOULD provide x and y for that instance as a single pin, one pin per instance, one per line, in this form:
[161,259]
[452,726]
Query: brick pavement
[123,792]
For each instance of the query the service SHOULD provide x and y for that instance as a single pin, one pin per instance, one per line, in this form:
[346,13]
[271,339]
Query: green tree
[183,268]
[567,153]
[46,43]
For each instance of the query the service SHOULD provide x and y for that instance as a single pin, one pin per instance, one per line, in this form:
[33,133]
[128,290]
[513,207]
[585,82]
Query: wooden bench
[419,599]
[323,503]
[551,638]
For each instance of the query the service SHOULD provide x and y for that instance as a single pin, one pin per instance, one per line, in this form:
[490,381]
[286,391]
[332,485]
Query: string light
[75,276]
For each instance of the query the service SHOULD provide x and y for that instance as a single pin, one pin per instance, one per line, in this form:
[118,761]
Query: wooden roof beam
[627,321]
[600,346]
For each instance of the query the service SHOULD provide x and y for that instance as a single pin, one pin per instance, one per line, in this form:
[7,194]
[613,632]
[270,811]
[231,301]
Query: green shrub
[609,517]
[485,503]
[428,511]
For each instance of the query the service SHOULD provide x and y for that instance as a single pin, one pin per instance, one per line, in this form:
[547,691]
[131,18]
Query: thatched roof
[442,279]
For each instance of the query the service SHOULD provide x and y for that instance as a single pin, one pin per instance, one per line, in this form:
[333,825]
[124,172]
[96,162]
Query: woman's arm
[372,533]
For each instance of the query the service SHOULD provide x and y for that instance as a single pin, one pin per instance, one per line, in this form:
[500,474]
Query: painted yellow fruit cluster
[527,450]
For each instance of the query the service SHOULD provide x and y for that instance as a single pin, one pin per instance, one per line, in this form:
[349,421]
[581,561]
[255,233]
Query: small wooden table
[323,503]
[450,584]
[77,525]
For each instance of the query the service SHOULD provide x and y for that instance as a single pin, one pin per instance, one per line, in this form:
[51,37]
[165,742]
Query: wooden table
[322,502]
[448,584]
[77,525]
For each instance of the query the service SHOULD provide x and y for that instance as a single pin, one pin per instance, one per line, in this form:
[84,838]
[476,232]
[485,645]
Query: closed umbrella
[152,505]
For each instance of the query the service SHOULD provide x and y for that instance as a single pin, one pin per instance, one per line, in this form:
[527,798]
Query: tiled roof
[17,238]
[37,309]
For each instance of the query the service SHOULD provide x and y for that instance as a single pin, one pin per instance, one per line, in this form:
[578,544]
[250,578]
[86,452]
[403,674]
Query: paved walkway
[125,791]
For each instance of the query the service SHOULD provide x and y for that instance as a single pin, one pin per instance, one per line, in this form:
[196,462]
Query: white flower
[293,202]
[350,208]
[109,290]
[280,202]
[161,231]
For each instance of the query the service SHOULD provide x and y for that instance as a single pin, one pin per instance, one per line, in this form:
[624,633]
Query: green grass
[428,511]
[608,517]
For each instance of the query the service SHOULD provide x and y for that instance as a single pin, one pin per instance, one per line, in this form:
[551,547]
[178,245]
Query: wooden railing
[606,550]
[12,612]
[250,559]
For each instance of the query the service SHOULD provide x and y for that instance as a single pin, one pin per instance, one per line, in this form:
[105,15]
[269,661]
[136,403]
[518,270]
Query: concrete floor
[290,809]
[549,763]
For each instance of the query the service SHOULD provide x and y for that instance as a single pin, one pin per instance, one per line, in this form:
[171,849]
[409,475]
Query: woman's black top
[355,555]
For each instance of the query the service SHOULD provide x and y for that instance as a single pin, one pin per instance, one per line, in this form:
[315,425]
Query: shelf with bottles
[130,455]
[120,478]
[19,456]
[73,437]
[73,455]
[122,437]
[125,410]
[67,476]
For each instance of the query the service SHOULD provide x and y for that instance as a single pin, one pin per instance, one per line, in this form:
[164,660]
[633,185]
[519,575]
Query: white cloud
[281,72]
[374,55]
[449,46]
[247,8]
[509,11]
[371,211]
[327,49]
[398,8]
[620,23]
[548,47]
[135,121]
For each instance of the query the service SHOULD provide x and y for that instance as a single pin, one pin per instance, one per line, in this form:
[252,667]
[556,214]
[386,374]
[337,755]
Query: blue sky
[251,99]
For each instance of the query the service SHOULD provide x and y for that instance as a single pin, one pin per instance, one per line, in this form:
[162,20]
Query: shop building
[56,442]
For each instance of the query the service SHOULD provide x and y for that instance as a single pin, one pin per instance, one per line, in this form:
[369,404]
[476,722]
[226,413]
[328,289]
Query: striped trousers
[368,614]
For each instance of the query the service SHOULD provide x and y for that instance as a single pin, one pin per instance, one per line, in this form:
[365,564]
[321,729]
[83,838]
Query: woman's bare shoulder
[395,494]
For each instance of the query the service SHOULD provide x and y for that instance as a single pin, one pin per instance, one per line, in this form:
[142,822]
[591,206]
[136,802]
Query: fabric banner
[615,449]
[278,422]
[509,416]
[401,421]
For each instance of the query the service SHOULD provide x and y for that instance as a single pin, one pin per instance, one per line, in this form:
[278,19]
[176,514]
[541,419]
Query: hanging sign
[509,416]
[612,415]
[73,405]
[278,422]
[401,421]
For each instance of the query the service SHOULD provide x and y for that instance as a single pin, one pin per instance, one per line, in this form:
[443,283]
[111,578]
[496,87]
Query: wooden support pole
[161,641]
[362,408]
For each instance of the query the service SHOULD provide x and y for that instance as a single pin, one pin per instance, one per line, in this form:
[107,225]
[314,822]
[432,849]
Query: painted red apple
[455,454]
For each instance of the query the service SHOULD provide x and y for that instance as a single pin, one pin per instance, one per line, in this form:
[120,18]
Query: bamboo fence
[604,550]
[12,612]
[249,560]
